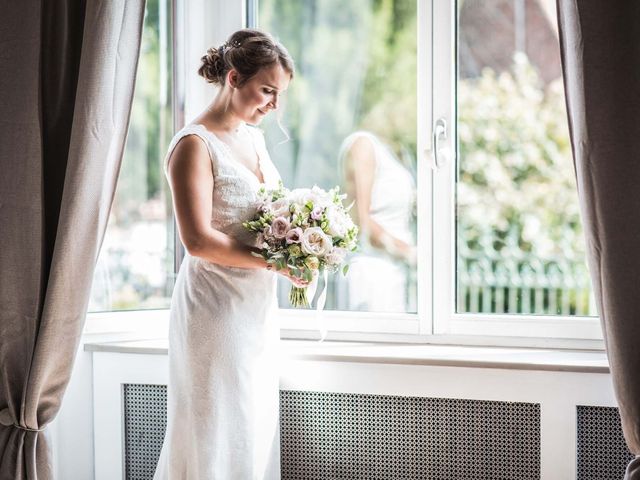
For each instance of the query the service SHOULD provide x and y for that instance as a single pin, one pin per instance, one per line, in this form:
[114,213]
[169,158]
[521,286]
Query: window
[135,269]
[519,237]
[510,245]
[351,113]
[495,217]
[471,213]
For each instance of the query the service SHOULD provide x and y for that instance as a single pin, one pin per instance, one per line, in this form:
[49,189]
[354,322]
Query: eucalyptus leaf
[308,276]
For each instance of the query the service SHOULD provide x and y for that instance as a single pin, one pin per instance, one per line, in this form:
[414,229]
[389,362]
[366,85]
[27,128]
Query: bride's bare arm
[191,179]
[360,166]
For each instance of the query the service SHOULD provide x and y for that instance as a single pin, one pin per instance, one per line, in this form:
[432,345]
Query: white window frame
[446,320]
[202,23]
[386,326]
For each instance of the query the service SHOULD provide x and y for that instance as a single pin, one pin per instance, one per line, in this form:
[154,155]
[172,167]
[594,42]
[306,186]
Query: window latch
[440,152]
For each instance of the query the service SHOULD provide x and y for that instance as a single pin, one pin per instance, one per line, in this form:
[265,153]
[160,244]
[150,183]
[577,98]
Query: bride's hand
[298,282]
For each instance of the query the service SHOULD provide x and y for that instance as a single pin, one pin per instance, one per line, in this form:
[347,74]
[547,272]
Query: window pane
[356,72]
[135,267]
[519,238]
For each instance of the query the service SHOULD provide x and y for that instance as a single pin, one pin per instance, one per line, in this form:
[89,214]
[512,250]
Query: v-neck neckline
[230,153]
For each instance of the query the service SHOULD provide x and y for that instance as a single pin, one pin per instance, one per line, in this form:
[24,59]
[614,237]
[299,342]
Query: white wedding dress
[222,412]
[392,201]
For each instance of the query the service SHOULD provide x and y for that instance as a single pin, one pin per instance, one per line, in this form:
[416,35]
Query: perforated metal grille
[602,453]
[346,436]
[145,421]
[336,436]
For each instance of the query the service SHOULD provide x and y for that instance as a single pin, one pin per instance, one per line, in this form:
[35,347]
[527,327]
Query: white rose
[315,195]
[298,196]
[335,256]
[320,197]
[280,207]
[315,242]
[337,222]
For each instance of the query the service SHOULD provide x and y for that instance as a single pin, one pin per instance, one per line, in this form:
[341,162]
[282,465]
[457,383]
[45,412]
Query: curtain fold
[65,93]
[600,47]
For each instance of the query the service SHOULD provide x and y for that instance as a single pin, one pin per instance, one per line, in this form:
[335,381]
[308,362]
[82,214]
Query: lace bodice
[235,187]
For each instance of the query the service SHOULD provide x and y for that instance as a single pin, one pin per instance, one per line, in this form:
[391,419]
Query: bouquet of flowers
[305,230]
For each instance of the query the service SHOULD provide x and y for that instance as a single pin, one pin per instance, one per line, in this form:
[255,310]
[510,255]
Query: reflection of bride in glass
[384,193]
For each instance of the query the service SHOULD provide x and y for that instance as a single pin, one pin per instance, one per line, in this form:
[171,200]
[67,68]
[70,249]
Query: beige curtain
[66,86]
[600,45]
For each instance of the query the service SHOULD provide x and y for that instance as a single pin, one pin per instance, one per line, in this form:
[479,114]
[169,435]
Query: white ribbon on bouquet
[322,298]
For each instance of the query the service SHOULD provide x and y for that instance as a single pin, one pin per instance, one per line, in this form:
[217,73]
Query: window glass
[519,242]
[135,268]
[350,114]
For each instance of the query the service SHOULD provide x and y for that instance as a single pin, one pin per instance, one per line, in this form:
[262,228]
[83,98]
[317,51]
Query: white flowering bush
[518,223]
[304,230]
[516,171]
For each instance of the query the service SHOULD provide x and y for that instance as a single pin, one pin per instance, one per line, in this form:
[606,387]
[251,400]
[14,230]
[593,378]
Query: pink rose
[294,235]
[316,213]
[263,206]
[280,226]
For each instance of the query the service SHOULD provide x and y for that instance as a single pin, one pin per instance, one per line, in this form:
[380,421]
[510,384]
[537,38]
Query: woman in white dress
[384,193]
[223,382]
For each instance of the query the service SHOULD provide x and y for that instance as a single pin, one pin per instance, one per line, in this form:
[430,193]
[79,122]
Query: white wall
[72,429]
[208,24]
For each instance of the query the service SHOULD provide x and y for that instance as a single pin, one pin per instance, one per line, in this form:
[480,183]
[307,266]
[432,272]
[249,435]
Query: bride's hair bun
[213,67]
[246,51]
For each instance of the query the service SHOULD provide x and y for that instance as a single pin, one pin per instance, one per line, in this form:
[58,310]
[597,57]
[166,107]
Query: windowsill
[406,354]
[356,328]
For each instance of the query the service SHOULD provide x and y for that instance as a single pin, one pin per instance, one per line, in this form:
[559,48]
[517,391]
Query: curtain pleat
[66,108]
[61,46]
[600,47]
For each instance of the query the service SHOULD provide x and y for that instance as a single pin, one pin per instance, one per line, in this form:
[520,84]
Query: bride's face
[260,94]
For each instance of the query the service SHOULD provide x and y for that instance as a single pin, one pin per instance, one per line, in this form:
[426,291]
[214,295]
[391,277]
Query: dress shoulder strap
[257,135]
[199,131]
[348,142]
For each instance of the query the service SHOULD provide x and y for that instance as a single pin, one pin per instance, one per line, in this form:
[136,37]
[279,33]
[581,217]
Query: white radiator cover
[342,420]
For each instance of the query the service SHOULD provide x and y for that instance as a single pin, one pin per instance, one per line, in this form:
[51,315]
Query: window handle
[439,154]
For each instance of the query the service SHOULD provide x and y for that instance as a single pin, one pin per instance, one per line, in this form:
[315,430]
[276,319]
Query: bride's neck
[221,116]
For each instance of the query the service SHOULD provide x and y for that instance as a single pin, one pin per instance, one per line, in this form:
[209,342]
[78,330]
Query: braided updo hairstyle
[247,51]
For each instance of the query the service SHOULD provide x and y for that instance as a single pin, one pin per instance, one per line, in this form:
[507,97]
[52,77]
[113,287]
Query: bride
[223,379]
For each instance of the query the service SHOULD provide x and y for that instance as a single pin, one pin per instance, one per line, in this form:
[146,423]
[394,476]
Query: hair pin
[226,46]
